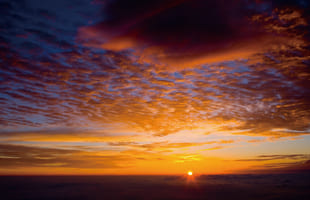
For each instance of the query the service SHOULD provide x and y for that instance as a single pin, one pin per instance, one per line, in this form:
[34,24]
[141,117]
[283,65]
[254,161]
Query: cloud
[184,33]
[169,146]
[77,86]
[18,156]
[277,157]
[280,163]
[73,72]
[68,137]
[282,168]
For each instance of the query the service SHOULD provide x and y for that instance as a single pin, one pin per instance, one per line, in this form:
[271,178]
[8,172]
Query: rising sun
[189,173]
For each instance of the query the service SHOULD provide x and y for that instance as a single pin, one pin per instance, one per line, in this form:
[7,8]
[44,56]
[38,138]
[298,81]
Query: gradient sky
[154,87]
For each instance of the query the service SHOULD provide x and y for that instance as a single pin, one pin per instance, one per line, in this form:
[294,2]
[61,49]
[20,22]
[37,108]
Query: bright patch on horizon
[190,173]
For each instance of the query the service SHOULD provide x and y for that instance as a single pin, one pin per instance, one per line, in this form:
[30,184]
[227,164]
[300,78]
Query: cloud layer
[132,74]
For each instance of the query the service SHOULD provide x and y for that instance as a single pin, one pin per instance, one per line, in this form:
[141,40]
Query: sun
[190,173]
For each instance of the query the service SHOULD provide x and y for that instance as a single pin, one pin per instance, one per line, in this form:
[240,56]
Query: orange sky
[215,87]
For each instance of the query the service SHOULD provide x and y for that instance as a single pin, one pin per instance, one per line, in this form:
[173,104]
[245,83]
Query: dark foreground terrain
[249,187]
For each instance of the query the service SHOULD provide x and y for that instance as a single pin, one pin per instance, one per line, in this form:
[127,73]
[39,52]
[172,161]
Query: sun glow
[190,173]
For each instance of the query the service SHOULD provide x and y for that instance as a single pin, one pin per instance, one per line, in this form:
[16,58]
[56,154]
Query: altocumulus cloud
[153,67]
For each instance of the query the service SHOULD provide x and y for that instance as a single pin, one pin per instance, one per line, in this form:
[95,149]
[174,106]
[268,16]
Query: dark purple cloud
[181,32]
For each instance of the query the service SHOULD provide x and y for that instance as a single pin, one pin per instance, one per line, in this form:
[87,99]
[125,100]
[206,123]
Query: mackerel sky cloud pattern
[122,81]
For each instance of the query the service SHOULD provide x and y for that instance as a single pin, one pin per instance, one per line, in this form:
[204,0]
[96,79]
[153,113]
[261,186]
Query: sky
[154,87]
